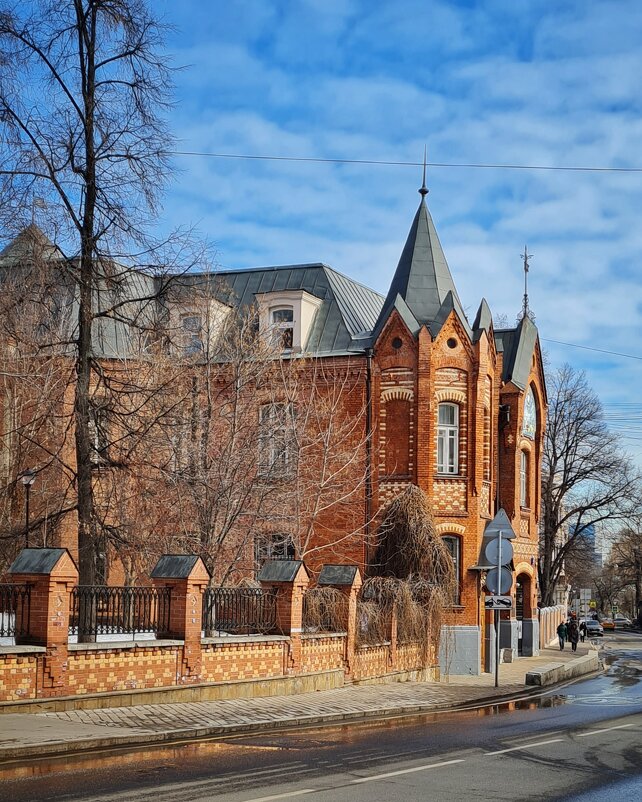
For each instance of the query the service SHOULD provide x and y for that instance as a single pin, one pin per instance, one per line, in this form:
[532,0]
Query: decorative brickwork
[323,652]
[449,496]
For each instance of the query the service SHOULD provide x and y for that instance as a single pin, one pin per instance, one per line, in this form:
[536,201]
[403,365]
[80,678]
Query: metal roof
[36,561]
[280,570]
[347,309]
[337,575]
[517,345]
[422,277]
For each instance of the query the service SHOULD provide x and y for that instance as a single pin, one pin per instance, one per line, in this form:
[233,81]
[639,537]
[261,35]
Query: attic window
[282,320]
[397,343]
[451,342]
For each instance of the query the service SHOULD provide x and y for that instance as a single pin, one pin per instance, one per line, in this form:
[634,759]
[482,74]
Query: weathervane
[526,256]
[424,191]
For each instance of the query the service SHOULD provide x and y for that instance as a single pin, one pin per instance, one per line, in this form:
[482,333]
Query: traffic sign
[491,551]
[499,584]
[498,602]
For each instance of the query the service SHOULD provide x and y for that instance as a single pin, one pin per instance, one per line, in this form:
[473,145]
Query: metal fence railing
[97,610]
[15,608]
[239,611]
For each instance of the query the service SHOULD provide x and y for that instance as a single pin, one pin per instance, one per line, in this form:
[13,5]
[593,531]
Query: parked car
[608,623]
[594,629]
[621,621]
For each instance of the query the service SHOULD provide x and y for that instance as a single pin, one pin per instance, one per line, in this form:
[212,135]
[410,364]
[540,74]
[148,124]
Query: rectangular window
[452,544]
[283,325]
[275,546]
[448,439]
[192,334]
[523,479]
[99,432]
[276,439]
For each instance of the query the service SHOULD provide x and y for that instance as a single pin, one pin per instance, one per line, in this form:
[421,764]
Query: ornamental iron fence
[15,608]
[98,610]
[239,611]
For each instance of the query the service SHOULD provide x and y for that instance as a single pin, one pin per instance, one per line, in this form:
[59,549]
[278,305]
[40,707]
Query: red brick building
[455,408]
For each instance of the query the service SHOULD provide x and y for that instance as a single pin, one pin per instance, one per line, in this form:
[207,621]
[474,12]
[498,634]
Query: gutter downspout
[368,507]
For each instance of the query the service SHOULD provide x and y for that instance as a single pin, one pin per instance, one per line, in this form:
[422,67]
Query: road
[580,743]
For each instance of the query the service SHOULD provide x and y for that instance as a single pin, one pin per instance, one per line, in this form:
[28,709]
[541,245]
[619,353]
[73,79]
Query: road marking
[606,729]
[283,796]
[525,746]
[403,771]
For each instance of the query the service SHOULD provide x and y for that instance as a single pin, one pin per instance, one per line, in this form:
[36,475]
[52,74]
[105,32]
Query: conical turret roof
[422,277]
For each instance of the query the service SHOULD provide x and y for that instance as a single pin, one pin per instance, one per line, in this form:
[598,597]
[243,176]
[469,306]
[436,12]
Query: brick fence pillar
[50,574]
[347,579]
[188,578]
[290,580]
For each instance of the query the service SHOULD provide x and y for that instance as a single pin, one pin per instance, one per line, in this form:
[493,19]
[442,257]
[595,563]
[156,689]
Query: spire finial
[526,256]
[424,191]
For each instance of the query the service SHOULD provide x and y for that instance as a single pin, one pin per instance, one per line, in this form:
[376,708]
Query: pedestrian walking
[562,632]
[573,632]
[582,631]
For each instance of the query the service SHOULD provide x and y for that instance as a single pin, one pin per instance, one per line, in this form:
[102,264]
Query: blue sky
[497,82]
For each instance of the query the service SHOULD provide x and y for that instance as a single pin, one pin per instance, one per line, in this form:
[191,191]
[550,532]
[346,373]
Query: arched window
[448,439]
[453,544]
[397,437]
[282,322]
[523,478]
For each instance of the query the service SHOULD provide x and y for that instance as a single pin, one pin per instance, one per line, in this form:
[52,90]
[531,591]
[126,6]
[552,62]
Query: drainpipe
[504,420]
[369,353]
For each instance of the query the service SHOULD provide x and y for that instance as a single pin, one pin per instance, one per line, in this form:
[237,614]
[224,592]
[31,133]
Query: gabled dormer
[287,317]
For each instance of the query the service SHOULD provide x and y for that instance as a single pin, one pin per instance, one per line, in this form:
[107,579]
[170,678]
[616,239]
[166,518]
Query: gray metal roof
[348,308]
[36,561]
[483,320]
[337,575]
[279,570]
[174,566]
[422,277]
[517,345]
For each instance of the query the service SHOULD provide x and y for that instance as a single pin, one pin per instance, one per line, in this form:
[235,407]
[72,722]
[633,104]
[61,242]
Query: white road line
[606,729]
[283,796]
[404,771]
[525,746]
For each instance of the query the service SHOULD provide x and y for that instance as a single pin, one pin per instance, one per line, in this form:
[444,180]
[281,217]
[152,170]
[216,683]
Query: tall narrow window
[448,439]
[282,321]
[453,545]
[276,456]
[523,478]
[192,334]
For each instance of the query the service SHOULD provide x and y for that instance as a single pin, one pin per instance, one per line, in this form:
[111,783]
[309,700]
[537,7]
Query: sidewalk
[38,734]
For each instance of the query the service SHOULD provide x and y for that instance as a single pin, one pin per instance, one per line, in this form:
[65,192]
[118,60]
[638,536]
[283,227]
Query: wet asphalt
[416,757]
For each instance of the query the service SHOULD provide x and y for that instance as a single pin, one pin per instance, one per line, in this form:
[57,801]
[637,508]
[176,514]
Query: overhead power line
[590,348]
[386,163]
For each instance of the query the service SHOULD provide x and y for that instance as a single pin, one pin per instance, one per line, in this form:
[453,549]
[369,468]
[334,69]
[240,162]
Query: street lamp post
[27,479]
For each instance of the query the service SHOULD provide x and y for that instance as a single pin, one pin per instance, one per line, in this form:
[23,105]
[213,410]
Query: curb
[53,749]
[60,748]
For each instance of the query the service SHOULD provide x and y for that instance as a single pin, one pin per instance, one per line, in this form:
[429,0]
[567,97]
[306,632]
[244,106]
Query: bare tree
[626,556]
[83,93]
[587,478]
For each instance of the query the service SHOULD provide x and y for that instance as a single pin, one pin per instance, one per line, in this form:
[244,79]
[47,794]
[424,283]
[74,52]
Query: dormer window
[286,318]
[192,333]
[282,320]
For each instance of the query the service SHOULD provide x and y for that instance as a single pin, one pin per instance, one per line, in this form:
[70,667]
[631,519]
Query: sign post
[497,618]
[499,581]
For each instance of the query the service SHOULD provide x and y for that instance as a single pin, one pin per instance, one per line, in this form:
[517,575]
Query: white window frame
[283,330]
[524,465]
[448,442]
[275,439]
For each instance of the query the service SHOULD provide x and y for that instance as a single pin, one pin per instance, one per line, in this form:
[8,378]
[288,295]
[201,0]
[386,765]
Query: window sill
[449,476]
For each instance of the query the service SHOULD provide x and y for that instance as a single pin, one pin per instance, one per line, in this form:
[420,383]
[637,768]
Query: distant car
[621,621]
[608,623]
[594,629]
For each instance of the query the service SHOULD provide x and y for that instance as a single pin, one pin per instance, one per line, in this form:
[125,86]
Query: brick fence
[45,665]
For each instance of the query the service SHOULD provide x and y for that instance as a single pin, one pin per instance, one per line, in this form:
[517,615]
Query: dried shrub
[413,574]
[324,610]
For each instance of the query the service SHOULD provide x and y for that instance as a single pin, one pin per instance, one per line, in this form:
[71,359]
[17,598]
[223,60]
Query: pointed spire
[424,190]
[422,277]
